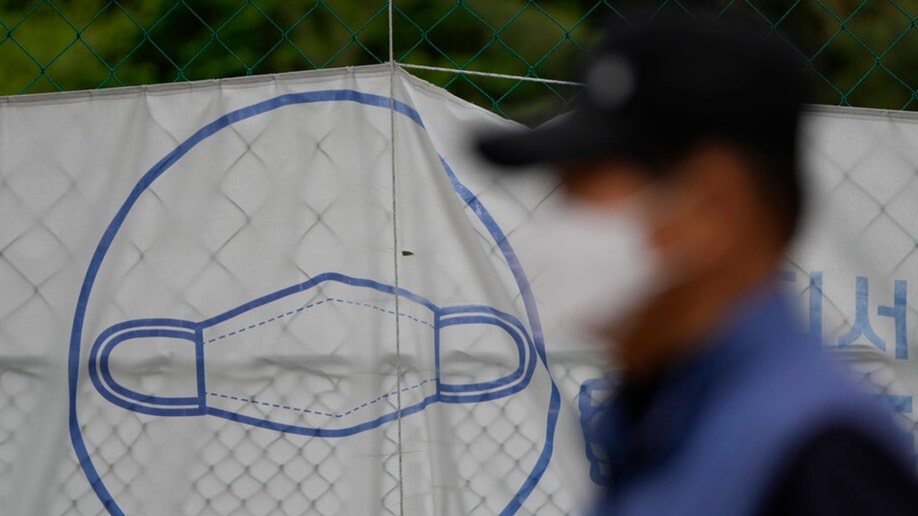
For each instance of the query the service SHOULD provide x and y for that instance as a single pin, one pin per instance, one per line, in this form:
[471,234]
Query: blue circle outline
[339,95]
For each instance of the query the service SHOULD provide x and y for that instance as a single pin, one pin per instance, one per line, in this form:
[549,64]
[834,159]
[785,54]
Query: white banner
[297,295]
[855,264]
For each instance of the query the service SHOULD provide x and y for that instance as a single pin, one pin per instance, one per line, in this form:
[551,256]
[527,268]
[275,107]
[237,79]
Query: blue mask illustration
[244,291]
[304,313]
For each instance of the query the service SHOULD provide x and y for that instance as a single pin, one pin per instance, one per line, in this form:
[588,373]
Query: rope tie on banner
[395,258]
[489,74]
[393,70]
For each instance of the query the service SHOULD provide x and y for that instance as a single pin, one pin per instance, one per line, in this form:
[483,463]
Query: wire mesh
[860,51]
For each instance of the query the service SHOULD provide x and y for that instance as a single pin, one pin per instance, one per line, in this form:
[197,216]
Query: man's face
[605,251]
[695,212]
[619,185]
[705,226]
[604,184]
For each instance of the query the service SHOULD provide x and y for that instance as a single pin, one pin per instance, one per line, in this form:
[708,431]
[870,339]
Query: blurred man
[679,167]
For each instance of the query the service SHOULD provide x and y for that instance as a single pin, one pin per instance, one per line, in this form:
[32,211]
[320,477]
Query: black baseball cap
[655,87]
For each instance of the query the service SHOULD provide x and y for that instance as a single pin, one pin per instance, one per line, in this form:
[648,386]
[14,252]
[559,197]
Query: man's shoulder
[770,357]
[776,394]
[789,389]
[841,471]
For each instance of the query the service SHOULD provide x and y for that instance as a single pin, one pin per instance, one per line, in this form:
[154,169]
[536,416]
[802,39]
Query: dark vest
[720,430]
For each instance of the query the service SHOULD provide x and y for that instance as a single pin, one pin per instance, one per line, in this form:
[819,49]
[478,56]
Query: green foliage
[860,50]
[71,44]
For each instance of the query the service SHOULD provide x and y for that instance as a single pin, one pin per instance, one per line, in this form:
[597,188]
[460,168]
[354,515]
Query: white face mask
[591,267]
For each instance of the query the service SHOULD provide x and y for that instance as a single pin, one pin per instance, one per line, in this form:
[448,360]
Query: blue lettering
[815,302]
[590,400]
[898,312]
[898,402]
[862,327]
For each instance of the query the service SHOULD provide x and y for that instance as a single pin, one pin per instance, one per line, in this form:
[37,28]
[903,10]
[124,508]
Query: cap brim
[574,136]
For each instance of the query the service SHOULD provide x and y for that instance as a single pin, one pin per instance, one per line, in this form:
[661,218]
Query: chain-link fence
[483,51]
[863,209]
[327,207]
[860,51]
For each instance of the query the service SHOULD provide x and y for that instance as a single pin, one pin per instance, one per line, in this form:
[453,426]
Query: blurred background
[861,51]
[511,57]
